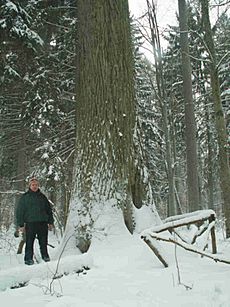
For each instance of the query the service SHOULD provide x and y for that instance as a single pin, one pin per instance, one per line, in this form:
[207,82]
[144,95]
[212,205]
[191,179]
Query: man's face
[34,185]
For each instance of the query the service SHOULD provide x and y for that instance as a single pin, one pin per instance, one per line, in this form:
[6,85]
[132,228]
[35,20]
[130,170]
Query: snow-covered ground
[123,272]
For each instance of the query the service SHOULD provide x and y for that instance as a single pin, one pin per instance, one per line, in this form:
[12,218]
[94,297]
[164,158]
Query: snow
[176,220]
[11,6]
[144,217]
[200,214]
[123,272]
[226,92]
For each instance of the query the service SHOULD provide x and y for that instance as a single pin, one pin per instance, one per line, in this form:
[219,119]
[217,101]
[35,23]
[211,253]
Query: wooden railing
[203,219]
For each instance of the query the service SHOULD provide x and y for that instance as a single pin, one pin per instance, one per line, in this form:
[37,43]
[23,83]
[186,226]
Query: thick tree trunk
[190,125]
[104,166]
[219,116]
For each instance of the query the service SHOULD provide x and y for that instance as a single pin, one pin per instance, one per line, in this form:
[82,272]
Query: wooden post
[213,235]
[20,246]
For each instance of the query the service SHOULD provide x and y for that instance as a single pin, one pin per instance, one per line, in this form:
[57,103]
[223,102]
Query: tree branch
[186,247]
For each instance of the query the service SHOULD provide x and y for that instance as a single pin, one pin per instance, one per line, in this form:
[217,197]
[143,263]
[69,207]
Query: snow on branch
[198,217]
[22,275]
[182,220]
[199,213]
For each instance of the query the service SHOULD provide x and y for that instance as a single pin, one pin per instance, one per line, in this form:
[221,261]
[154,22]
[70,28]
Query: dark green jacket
[33,207]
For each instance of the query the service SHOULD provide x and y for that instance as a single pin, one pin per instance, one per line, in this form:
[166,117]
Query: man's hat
[32,179]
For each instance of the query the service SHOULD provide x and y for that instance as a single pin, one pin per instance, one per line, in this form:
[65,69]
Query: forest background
[172,144]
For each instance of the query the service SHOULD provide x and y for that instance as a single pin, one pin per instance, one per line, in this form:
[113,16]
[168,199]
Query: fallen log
[21,275]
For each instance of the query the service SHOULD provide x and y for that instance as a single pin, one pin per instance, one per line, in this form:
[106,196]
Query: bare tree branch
[186,246]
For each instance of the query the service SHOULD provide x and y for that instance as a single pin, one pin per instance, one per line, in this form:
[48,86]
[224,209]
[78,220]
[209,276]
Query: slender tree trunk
[210,178]
[155,40]
[210,188]
[21,168]
[219,116]
[190,125]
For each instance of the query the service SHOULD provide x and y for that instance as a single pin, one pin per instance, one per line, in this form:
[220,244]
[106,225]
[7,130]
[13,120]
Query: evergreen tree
[37,93]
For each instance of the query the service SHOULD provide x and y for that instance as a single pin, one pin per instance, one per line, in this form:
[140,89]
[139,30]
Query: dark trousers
[33,230]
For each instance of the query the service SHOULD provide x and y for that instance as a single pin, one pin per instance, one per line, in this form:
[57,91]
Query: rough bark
[190,125]
[103,171]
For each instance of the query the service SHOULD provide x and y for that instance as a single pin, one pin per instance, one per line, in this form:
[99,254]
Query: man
[34,217]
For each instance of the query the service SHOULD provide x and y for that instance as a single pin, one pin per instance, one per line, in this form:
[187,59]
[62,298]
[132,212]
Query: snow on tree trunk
[104,162]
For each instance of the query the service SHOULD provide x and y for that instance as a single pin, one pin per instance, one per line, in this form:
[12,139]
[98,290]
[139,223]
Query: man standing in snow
[34,217]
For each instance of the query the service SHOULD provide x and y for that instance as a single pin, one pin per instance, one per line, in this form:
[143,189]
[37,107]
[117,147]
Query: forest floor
[118,271]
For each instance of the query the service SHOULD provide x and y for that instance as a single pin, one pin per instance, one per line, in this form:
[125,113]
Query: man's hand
[50,227]
[21,229]
[16,233]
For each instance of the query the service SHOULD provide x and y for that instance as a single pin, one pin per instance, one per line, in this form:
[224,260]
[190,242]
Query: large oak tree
[104,172]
